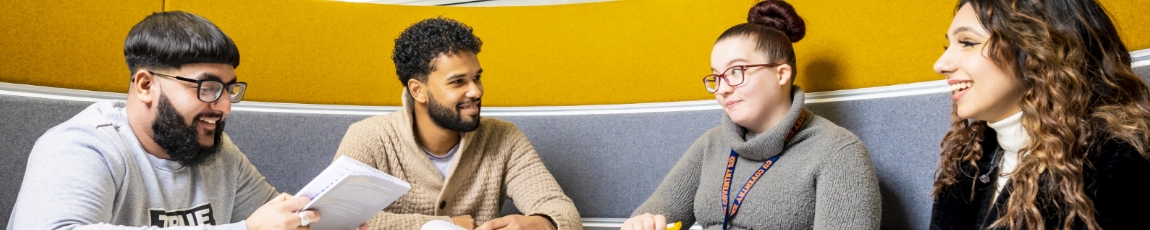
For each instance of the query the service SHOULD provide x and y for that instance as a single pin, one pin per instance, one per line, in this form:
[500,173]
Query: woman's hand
[646,222]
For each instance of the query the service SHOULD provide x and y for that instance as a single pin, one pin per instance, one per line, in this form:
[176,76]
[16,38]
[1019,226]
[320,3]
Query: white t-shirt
[443,163]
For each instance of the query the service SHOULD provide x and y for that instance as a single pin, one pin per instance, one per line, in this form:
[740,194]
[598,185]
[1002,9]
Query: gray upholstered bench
[607,158]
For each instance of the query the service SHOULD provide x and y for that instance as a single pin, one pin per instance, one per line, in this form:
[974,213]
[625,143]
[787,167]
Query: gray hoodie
[91,172]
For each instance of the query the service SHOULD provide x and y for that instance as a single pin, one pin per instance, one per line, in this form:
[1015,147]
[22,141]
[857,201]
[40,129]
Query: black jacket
[1117,179]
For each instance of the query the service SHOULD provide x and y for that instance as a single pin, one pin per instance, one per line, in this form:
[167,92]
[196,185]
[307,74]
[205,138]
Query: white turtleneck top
[1011,138]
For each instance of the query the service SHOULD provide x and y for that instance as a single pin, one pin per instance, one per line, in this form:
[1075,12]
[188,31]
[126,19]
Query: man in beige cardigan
[461,166]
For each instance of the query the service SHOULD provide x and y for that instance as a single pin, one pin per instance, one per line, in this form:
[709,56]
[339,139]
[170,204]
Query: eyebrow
[208,76]
[733,62]
[965,29]
[462,75]
[457,76]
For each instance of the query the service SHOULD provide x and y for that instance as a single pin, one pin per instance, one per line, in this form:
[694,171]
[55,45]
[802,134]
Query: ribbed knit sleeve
[532,187]
[364,142]
[847,194]
[675,196]
[361,143]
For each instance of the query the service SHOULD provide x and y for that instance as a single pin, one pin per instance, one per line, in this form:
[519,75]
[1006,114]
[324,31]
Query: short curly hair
[421,43]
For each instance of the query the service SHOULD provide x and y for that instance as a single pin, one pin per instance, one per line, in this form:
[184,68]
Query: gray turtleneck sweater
[824,178]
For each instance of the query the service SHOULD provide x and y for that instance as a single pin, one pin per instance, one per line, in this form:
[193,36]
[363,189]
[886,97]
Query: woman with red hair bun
[770,164]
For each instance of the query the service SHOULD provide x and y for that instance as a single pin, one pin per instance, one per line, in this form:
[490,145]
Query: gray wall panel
[288,149]
[902,136]
[1143,72]
[24,120]
[609,164]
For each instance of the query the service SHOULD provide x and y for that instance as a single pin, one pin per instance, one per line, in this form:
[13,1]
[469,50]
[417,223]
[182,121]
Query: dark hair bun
[779,15]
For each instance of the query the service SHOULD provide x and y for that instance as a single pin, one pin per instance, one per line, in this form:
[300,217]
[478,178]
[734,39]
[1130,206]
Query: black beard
[182,142]
[449,118]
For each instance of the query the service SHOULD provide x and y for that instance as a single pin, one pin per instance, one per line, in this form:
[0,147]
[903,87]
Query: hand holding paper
[348,193]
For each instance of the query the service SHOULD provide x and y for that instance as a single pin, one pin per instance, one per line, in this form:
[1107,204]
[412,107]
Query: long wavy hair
[1080,89]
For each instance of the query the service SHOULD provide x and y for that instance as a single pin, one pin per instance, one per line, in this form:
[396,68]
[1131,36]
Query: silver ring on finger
[303,219]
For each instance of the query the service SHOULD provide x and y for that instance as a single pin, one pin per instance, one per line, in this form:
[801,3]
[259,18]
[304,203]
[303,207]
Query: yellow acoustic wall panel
[69,44]
[598,53]
[854,44]
[629,51]
[1132,20]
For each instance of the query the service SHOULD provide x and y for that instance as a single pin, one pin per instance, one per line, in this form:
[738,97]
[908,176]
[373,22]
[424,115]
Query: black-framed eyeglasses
[733,76]
[210,90]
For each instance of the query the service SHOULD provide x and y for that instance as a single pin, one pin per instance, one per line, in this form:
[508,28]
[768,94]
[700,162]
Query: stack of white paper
[349,192]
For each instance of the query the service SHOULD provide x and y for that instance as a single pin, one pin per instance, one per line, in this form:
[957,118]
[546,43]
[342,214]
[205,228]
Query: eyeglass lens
[733,77]
[210,91]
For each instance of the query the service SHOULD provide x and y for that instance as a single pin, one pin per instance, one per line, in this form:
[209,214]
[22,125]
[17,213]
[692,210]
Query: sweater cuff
[545,216]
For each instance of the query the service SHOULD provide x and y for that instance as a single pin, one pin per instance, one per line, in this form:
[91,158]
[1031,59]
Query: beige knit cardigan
[494,163]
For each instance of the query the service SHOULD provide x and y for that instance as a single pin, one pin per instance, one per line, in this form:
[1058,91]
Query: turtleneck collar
[1011,136]
[765,145]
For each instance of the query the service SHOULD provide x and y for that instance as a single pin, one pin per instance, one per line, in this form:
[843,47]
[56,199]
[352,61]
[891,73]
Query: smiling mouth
[468,106]
[959,87]
[209,123]
[210,120]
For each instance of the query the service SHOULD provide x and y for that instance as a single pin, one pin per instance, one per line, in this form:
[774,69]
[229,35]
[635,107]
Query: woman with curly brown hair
[1050,122]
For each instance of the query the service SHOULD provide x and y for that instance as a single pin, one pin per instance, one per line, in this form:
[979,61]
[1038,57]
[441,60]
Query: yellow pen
[676,226]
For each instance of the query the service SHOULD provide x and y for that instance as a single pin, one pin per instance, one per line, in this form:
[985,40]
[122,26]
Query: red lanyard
[734,207]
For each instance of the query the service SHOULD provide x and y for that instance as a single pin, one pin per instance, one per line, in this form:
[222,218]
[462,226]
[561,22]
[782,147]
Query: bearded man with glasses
[160,158]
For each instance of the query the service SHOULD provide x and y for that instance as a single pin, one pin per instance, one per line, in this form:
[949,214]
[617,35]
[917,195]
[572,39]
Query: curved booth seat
[608,159]
[608,163]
